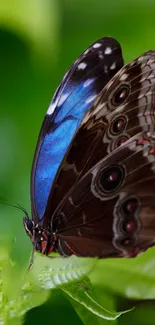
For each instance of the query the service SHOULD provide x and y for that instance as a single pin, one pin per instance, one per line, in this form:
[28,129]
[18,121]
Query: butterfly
[93,174]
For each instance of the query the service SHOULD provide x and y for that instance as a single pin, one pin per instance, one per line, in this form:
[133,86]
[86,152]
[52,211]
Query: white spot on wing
[86,51]
[62,99]
[82,66]
[113,66]
[124,76]
[100,55]
[87,82]
[52,107]
[90,99]
[58,102]
[108,50]
[141,58]
[96,45]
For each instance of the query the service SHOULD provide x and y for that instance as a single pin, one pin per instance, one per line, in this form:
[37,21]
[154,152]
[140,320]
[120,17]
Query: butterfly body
[93,175]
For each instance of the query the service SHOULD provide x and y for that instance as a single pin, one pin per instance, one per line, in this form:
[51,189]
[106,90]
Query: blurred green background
[38,42]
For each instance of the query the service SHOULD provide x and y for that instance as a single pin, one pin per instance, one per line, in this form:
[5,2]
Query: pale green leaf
[83,294]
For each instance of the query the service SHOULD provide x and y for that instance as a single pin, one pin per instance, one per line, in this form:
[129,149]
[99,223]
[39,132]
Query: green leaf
[53,272]
[46,273]
[84,295]
[132,278]
[12,310]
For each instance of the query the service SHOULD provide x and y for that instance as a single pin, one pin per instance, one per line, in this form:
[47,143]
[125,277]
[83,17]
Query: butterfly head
[43,240]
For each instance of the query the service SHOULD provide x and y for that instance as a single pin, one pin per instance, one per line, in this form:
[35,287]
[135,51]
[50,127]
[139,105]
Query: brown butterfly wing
[111,211]
[124,107]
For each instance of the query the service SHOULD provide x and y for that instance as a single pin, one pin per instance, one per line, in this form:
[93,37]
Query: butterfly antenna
[17,206]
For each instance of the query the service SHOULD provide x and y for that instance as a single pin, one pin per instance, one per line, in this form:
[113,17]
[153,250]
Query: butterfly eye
[111,178]
[29,226]
[130,207]
[121,95]
[118,125]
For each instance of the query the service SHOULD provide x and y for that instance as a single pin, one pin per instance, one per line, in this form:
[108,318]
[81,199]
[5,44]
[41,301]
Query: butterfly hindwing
[111,210]
[83,82]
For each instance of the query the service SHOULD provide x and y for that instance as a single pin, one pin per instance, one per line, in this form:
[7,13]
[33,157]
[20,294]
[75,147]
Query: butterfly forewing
[83,82]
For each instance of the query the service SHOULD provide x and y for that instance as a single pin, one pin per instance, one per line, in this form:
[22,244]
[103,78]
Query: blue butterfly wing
[77,91]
